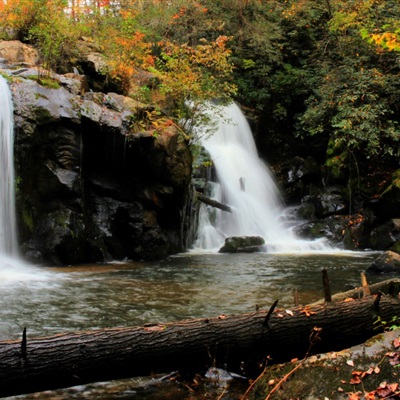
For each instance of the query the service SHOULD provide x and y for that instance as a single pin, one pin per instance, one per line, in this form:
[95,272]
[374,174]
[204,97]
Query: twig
[246,393]
[222,394]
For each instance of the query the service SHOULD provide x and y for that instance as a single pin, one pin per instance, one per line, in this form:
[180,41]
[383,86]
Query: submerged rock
[243,244]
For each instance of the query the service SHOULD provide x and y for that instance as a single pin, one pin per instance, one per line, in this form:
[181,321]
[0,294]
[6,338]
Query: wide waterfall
[246,184]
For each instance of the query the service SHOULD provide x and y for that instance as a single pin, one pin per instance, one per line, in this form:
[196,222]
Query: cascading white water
[247,186]
[8,231]
[12,267]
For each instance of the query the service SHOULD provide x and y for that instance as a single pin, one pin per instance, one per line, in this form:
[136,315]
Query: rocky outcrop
[17,54]
[89,188]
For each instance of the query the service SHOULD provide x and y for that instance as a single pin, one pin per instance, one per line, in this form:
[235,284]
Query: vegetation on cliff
[322,72]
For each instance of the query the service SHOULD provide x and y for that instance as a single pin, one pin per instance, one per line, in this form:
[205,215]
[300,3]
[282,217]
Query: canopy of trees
[323,70]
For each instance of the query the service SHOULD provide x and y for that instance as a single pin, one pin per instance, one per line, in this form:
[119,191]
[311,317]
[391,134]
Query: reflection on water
[185,286]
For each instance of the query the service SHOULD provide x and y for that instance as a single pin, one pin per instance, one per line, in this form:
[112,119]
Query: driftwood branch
[81,357]
[213,203]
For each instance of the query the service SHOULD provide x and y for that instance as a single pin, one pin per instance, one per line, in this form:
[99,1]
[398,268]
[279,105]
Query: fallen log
[389,287]
[75,358]
[213,203]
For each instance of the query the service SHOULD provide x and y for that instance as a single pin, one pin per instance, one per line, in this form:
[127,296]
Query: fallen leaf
[340,390]
[396,343]
[279,315]
[222,316]
[393,387]
[377,370]
[370,395]
[356,373]
[307,311]
[348,300]
[343,381]
[370,370]
[289,312]
[354,396]
[350,362]
[355,381]
[271,382]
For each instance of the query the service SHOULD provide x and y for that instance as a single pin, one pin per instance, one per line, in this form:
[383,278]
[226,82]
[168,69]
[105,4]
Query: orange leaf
[355,381]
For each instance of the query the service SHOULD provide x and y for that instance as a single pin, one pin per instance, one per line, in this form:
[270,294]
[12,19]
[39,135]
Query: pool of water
[54,300]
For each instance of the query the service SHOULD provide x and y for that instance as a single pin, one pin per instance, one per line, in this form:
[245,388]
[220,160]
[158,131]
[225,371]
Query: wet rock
[299,176]
[331,228]
[388,262]
[323,204]
[386,234]
[243,244]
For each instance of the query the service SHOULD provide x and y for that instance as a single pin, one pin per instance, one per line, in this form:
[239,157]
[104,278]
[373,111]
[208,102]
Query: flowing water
[12,267]
[185,286]
[8,233]
[204,284]
[245,183]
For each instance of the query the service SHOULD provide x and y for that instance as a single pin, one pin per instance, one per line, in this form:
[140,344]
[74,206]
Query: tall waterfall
[8,230]
[247,186]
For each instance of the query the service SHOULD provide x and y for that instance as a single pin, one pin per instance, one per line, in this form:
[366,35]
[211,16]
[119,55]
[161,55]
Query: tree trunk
[213,203]
[81,357]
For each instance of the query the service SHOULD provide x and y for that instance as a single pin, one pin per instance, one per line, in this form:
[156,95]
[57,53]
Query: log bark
[213,203]
[81,357]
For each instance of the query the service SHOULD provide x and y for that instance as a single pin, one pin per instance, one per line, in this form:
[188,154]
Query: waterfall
[12,267]
[246,184]
[8,230]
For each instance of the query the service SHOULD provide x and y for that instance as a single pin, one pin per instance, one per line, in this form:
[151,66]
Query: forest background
[317,76]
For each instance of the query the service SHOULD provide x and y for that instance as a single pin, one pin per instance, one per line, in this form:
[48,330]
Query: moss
[45,81]
[27,218]
[394,183]
[42,115]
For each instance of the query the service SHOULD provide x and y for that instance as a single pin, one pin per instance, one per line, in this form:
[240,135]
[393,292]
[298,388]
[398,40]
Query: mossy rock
[333,375]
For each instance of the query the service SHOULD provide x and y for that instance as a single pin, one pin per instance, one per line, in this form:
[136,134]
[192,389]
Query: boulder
[17,54]
[388,262]
[385,235]
[243,244]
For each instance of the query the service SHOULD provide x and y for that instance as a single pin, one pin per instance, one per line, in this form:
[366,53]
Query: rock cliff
[89,188]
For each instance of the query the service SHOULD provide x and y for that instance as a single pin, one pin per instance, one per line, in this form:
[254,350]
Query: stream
[48,301]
